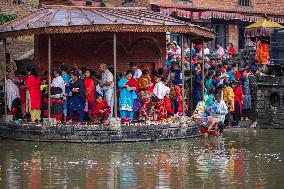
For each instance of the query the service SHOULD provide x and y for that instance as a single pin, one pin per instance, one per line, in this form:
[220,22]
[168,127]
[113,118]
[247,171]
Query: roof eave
[189,30]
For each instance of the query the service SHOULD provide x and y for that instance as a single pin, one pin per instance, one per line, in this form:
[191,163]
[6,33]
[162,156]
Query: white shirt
[219,110]
[137,74]
[107,77]
[206,51]
[59,82]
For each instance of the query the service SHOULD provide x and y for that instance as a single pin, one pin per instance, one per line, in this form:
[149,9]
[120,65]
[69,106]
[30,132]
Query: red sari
[132,83]
[90,89]
[232,52]
[238,91]
[33,85]
[97,106]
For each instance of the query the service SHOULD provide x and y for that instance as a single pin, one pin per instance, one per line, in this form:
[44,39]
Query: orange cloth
[262,53]
[143,81]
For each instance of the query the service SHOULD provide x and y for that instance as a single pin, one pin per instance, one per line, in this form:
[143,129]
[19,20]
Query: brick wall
[94,48]
[234,35]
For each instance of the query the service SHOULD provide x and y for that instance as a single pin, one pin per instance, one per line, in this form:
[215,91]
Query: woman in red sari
[90,89]
[33,87]
[232,51]
[238,101]
[100,109]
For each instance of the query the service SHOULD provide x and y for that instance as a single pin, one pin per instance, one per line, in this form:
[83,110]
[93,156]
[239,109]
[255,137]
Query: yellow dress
[228,97]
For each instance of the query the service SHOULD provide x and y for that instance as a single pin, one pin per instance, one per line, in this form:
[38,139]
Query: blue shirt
[177,77]
[232,76]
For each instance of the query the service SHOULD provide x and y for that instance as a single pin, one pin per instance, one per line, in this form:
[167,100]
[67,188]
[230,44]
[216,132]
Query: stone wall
[269,105]
[91,49]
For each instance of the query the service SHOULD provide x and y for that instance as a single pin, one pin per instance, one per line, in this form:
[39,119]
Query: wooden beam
[182,71]
[5,73]
[114,75]
[49,76]
[203,72]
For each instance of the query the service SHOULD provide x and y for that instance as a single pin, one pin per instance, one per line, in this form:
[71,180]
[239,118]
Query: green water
[241,159]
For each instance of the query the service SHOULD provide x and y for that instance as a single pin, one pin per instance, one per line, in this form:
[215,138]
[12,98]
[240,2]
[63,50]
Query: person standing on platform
[78,97]
[108,86]
[228,97]
[34,95]
[220,51]
[90,89]
[127,95]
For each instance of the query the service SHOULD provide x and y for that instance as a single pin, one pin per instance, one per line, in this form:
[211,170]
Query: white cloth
[137,74]
[206,51]
[59,82]
[219,110]
[109,98]
[12,91]
[160,90]
[107,77]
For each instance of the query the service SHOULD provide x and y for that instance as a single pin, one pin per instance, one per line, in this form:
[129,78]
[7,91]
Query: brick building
[227,18]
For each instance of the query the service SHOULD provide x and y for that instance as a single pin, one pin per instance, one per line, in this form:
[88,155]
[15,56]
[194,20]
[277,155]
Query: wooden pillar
[182,70]
[191,75]
[49,76]
[5,73]
[203,68]
[114,75]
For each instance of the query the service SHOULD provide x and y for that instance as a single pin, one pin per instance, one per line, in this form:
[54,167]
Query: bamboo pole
[49,77]
[203,72]
[114,75]
[182,70]
[5,73]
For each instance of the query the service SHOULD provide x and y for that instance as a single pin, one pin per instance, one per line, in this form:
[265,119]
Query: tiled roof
[75,19]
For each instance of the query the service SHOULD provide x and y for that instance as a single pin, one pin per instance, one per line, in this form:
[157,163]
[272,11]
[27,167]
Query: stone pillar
[234,35]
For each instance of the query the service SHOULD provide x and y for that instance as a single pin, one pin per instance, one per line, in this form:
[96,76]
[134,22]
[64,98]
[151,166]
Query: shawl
[132,83]
[143,81]
[58,82]
[90,89]
[160,90]
[12,91]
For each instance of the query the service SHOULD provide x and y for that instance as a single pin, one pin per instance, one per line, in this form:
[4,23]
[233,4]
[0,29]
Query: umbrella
[261,28]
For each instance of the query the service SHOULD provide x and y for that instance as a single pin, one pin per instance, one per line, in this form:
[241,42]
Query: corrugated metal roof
[77,19]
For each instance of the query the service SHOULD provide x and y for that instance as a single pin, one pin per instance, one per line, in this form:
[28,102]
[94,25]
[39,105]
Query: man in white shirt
[136,71]
[108,86]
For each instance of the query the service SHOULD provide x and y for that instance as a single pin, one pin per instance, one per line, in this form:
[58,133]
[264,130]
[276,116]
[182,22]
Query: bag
[137,105]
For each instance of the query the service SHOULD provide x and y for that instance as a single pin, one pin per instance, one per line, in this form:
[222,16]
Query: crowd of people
[143,93]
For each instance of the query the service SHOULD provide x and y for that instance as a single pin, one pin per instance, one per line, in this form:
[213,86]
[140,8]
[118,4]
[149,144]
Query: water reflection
[242,159]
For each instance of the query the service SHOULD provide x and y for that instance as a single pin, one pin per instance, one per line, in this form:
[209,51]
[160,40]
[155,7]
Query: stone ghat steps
[97,134]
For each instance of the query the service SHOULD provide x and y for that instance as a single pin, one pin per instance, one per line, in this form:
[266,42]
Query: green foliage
[4,17]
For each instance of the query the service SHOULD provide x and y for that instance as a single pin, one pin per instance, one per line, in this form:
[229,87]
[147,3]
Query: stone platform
[95,133]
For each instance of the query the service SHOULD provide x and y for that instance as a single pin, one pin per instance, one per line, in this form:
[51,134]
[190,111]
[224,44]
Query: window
[244,3]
